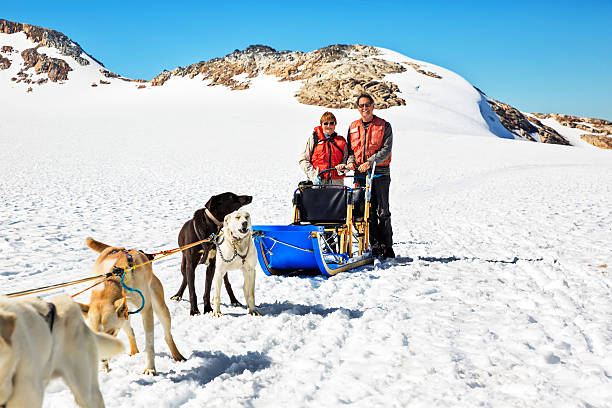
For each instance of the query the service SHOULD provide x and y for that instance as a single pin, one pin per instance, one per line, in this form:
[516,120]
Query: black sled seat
[327,204]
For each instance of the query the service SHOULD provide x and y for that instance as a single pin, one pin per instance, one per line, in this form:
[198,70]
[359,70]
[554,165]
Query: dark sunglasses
[328,123]
[365,105]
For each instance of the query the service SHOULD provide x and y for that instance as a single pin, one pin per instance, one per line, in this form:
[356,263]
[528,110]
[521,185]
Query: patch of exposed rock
[47,38]
[591,125]
[331,77]
[57,69]
[601,141]
[420,70]
[524,126]
[4,62]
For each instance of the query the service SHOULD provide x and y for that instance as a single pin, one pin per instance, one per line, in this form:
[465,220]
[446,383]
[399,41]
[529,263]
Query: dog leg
[84,385]
[218,278]
[163,314]
[193,301]
[26,393]
[179,294]
[127,328]
[249,289]
[230,292]
[210,272]
[147,322]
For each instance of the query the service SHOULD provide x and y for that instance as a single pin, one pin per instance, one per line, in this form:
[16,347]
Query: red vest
[371,142]
[327,153]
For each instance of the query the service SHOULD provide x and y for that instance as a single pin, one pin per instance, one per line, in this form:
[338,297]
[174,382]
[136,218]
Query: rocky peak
[47,38]
[332,76]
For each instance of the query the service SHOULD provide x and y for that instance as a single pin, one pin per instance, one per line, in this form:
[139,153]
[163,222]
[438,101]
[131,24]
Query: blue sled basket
[296,249]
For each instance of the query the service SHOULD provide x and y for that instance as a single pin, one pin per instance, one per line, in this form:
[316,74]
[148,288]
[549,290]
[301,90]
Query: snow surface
[499,297]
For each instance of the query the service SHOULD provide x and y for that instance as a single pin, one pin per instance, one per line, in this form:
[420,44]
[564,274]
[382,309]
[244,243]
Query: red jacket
[327,153]
[372,141]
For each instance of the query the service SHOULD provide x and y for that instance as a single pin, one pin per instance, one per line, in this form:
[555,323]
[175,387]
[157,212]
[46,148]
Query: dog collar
[212,217]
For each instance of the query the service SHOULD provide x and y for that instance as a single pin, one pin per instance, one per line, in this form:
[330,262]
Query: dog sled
[329,233]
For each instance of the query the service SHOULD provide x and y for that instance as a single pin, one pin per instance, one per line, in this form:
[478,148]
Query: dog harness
[243,257]
[121,272]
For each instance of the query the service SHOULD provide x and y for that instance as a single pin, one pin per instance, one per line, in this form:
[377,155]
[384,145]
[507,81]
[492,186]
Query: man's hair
[364,95]
[328,117]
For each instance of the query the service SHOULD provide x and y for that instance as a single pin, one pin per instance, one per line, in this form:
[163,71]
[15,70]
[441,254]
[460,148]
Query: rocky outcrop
[57,69]
[331,77]
[591,125]
[601,141]
[420,70]
[599,130]
[524,126]
[47,38]
[4,62]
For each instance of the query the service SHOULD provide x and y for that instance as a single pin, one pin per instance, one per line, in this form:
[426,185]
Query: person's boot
[388,253]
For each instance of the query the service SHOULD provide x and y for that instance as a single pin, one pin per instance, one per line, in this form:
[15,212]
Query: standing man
[370,140]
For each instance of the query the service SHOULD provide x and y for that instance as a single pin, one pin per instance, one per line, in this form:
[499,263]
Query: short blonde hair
[328,117]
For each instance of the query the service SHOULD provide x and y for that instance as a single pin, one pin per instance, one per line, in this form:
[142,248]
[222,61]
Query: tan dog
[40,341]
[107,309]
[236,250]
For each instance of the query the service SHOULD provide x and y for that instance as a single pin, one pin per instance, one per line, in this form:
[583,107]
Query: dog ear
[96,245]
[84,308]
[120,307]
[225,222]
[7,326]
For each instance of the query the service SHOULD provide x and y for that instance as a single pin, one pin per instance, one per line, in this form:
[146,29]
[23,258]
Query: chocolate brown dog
[206,221]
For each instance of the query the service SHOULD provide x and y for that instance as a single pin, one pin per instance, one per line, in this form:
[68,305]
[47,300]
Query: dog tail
[108,346]
[96,245]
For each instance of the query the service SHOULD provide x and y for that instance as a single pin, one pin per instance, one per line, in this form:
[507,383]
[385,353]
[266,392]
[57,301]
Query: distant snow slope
[499,297]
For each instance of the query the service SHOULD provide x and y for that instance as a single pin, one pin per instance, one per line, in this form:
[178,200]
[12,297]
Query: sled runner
[329,233]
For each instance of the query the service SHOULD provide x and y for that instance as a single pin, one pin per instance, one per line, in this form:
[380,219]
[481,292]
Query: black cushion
[321,203]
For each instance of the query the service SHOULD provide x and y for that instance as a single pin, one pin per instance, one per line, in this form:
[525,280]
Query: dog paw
[207,309]
[194,312]
[236,304]
[254,313]
[217,314]
[177,298]
[149,371]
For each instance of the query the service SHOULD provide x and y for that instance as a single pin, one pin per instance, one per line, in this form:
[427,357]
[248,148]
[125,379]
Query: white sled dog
[236,250]
[40,341]
[107,308]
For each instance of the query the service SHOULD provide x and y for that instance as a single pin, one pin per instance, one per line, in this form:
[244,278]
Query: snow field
[499,297]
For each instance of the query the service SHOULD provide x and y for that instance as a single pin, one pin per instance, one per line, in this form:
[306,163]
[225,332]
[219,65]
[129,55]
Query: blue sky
[540,56]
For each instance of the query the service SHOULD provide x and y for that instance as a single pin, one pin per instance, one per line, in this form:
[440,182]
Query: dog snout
[245,224]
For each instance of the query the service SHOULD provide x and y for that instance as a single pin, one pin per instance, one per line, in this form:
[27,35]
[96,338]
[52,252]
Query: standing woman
[325,149]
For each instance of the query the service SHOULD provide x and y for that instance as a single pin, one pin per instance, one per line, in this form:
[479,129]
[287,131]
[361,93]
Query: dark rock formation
[524,126]
[56,69]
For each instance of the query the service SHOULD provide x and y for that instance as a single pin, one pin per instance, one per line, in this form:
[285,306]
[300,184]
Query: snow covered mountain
[31,56]
[500,294]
